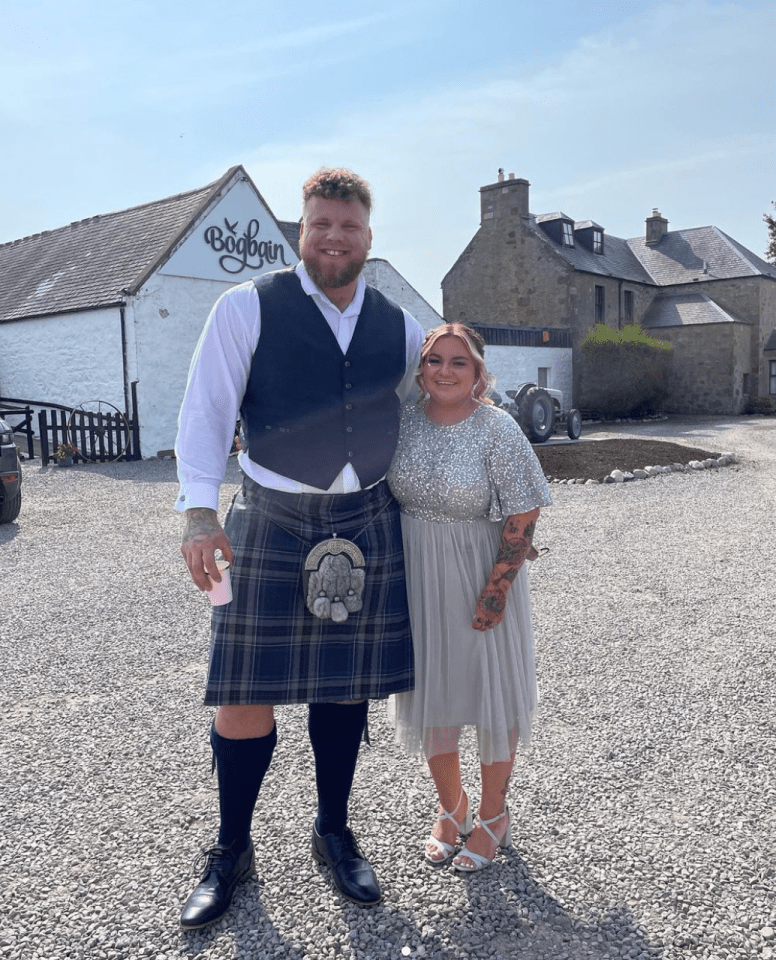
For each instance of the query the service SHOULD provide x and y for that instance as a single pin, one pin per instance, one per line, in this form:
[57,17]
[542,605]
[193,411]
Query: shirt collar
[313,290]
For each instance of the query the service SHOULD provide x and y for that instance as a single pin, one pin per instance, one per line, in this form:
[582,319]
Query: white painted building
[528,355]
[93,308]
[545,366]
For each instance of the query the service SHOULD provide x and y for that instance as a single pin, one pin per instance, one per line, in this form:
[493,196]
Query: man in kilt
[315,364]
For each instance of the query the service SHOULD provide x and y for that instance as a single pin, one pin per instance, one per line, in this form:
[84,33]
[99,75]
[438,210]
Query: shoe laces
[208,858]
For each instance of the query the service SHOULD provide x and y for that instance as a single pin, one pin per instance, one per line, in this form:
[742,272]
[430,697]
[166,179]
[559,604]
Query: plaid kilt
[266,647]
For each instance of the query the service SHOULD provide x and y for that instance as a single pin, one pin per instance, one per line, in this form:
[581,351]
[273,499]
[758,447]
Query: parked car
[540,410]
[10,475]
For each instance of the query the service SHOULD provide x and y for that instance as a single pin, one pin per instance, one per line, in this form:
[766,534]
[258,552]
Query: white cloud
[671,108]
[658,112]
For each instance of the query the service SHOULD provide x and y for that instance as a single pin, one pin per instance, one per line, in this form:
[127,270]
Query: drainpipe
[124,364]
[619,304]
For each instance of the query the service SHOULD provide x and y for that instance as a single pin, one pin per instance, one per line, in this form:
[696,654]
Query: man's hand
[202,536]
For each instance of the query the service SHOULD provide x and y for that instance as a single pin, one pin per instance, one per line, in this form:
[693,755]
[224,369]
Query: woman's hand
[514,549]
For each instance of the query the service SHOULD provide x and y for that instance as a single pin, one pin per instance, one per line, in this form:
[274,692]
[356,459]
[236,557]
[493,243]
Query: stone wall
[511,274]
[507,275]
[709,364]
[583,300]
[766,327]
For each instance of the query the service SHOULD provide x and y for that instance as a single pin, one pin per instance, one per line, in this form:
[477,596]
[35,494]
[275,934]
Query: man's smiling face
[334,241]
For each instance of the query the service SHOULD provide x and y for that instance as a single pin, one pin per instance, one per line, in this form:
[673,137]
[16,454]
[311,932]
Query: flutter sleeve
[517,481]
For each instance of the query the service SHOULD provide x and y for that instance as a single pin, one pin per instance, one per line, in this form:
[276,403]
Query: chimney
[657,227]
[505,200]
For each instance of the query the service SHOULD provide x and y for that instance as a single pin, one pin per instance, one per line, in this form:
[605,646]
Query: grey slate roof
[699,254]
[558,215]
[617,260]
[586,224]
[89,264]
[682,256]
[686,310]
[290,230]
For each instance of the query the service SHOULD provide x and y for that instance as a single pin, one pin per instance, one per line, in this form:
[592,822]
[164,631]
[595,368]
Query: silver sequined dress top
[456,485]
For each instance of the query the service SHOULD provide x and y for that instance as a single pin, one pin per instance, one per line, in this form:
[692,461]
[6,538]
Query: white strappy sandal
[448,849]
[477,859]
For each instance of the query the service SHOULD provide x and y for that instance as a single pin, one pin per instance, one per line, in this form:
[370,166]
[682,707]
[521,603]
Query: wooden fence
[100,433]
[20,426]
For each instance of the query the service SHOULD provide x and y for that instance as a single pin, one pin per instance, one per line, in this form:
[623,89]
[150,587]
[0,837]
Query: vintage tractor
[540,411]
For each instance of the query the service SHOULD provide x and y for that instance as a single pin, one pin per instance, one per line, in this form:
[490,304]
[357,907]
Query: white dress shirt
[218,376]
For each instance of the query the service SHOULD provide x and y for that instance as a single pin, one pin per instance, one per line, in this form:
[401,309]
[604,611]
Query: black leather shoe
[351,872]
[222,869]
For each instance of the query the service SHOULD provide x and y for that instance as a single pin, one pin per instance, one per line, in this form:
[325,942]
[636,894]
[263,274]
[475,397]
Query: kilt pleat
[266,647]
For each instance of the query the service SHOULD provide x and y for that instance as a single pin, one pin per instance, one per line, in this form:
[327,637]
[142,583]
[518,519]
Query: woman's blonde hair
[476,347]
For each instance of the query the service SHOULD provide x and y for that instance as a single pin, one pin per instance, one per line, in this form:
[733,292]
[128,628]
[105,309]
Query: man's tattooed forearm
[200,522]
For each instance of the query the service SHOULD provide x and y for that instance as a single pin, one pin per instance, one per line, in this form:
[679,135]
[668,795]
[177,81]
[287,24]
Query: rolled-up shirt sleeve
[216,384]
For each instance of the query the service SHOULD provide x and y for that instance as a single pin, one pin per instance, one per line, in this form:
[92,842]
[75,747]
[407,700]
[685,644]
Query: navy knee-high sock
[335,733]
[241,766]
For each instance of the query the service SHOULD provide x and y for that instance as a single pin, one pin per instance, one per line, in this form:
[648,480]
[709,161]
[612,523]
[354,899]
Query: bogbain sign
[240,252]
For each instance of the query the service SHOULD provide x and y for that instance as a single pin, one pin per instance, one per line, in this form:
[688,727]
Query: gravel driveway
[643,810]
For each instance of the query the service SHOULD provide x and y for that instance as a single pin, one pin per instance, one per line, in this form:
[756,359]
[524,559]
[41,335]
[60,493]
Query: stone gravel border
[624,476]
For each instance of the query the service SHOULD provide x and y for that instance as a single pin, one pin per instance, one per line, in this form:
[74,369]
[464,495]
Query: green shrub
[761,405]
[624,372]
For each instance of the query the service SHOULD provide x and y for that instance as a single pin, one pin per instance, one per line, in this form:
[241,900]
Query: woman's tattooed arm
[514,549]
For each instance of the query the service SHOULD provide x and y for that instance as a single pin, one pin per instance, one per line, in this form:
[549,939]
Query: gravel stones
[643,808]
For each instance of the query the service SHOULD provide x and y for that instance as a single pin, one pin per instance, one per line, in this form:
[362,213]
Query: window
[598,241]
[772,377]
[568,234]
[628,305]
[543,377]
[599,304]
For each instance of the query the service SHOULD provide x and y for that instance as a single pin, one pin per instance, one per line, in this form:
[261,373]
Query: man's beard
[335,276]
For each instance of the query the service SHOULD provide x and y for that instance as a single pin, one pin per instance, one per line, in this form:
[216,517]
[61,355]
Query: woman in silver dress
[470,488]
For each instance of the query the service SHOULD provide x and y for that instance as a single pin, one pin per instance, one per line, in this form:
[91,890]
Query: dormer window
[559,227]
[590,235]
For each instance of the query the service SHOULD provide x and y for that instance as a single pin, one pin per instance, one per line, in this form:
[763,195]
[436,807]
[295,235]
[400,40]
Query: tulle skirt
[464,677]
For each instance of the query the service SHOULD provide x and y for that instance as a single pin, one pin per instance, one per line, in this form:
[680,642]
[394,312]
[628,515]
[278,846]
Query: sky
[608,108]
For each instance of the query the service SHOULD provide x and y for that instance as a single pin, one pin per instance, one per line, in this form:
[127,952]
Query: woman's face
[449,373]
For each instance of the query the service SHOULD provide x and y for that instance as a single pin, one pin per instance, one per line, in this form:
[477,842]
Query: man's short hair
[338,183]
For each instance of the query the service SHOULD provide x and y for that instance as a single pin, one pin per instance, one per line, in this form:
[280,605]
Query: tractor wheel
[574,424]
[536,415]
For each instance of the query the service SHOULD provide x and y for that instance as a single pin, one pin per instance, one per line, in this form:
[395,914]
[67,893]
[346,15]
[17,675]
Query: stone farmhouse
[549,277]
[111,307]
